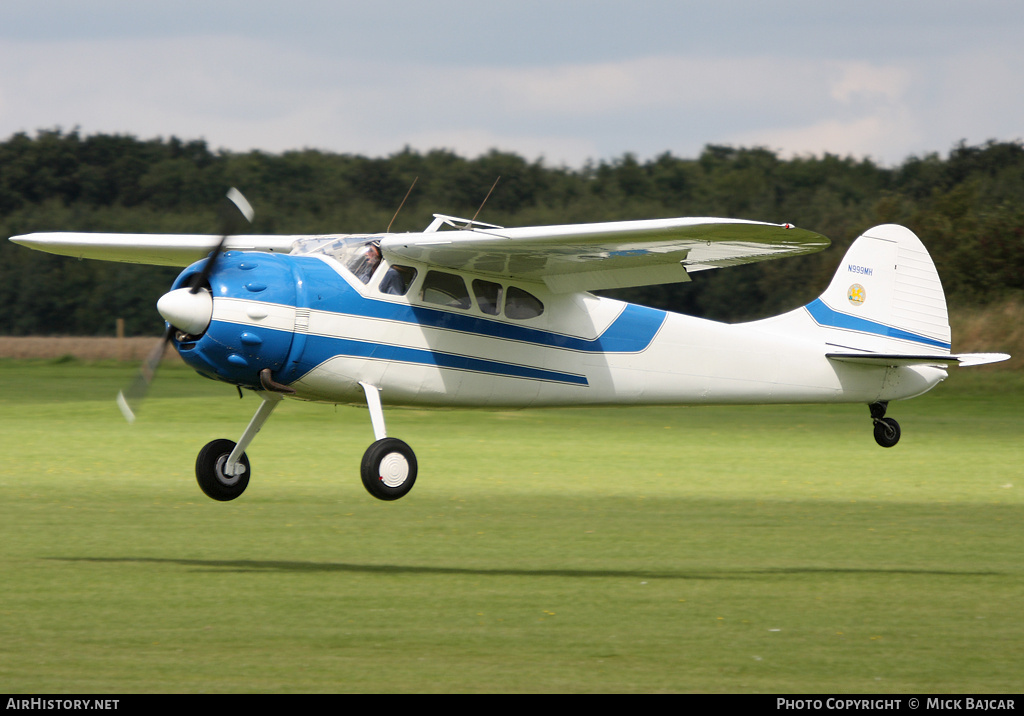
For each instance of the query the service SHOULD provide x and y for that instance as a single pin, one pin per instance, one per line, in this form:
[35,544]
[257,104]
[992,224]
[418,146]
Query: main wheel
[210,471]
[388,469]
[887,432]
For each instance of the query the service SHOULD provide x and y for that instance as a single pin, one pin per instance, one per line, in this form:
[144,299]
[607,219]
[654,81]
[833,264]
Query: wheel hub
[394,469]
[222,475]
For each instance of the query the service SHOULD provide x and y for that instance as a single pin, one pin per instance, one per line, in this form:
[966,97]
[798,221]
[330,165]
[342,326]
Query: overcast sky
[563,80]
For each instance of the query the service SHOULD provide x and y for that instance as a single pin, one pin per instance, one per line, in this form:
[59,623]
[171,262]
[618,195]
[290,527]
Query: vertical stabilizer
[885,297]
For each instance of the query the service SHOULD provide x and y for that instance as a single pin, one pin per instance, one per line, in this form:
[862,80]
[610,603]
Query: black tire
[389,469]
[887,432]
[209,471]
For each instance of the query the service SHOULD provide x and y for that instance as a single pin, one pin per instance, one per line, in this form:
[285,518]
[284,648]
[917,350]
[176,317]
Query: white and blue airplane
[469,314]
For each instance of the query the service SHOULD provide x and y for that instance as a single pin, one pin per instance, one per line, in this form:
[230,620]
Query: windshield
[360,254]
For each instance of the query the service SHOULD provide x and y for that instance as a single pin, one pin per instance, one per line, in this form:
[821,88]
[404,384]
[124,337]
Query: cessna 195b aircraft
[471,314]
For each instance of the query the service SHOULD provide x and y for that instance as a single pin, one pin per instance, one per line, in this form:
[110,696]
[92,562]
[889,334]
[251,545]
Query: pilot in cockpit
[365,263]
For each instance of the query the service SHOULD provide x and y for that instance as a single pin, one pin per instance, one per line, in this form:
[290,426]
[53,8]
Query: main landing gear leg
[887,430]
[222,468]
[389,465]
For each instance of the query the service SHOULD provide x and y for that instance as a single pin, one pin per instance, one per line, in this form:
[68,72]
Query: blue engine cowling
[233,352]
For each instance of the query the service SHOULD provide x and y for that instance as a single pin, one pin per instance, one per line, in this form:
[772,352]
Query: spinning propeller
[186,309]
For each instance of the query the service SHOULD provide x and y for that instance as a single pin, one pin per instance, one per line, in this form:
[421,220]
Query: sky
[562,81]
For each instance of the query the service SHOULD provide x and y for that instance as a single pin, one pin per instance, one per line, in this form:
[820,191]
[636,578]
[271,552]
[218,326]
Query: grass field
[759,549]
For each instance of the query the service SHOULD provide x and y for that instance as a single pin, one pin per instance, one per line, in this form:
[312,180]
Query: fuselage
[452,338]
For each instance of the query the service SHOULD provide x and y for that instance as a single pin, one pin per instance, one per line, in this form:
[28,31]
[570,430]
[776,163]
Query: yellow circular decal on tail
[856,294]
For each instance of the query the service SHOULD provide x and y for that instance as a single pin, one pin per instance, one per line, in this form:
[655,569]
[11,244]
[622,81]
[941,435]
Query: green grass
[758,549]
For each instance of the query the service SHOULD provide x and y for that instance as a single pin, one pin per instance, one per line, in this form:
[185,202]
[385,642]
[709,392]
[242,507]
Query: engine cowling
[251,299]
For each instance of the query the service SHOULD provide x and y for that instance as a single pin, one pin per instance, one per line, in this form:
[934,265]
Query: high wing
[153,249]
[573,257]
[578,257]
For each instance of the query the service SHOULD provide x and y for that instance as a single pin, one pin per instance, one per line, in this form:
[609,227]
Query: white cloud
[883,136]
[862,81]
[659,82]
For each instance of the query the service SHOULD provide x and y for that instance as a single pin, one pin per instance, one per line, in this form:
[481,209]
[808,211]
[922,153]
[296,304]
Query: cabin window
[488,296]
[445,289]
[397,280]
[520,304]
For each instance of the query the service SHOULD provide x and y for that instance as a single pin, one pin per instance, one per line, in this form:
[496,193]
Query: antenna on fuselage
[470,225]
[388,231]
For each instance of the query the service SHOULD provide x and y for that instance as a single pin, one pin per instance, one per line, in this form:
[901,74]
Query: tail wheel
[389,469]
[210,471]
[887,432]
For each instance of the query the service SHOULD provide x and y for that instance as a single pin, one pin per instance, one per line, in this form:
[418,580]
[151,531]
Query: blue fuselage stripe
[631,332]
[322,348]
[824,315]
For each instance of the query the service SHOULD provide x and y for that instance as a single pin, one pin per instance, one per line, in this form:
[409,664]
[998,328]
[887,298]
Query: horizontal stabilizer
[969,359]
[898,359]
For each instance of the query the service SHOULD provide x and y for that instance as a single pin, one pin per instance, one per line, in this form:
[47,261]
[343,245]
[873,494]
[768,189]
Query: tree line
[966,206]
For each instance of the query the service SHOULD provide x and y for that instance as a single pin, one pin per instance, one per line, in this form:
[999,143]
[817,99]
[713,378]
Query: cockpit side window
[488,296]
[397,280]
[445,289]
